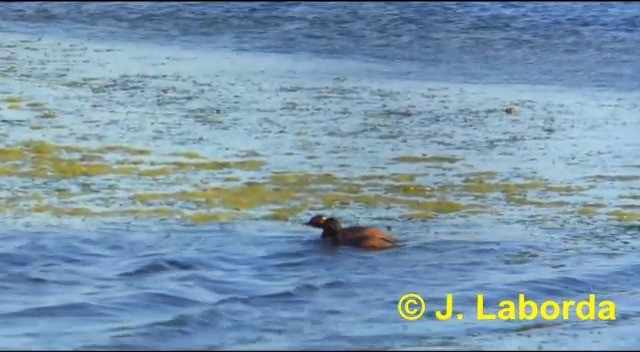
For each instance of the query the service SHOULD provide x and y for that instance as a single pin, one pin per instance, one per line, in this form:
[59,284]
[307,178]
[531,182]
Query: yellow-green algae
[188,155]
[478,175]
[480,186]
[155,172]
[624,216]
[160,212]
[121,149]
[291,179]
[207,217]
[286,213]
[403,177]
[232,179]
[8,171]
[586,211]
[412,189]
[278,195]
[45,160]
[11,154]
[219,165]
[14,99]
[525,201]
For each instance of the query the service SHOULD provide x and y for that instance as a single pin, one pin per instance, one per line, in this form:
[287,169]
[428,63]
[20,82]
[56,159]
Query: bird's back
[366,237]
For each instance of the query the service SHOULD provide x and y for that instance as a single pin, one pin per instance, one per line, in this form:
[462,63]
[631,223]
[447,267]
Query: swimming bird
[355,236]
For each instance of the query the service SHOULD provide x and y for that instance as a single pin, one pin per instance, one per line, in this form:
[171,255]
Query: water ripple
[158,266]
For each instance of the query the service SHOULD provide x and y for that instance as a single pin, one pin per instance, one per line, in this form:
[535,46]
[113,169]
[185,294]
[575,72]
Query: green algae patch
[33,173]
[66,195]
[301,179]
[205,165]
[121,149]
[8,171]
[624,216]
[43,147]
[11,154]
[232,179]
[481,187]
[241,203]
[160,212]
[244,197]
[438,207]
[254,195]
[199,218]
[478,187]
[71,169]
[627,196]
[285,214]
[14,106]
[246,165]
[565,188]
[478,175]
[373,200]
[514,188]
[188,155]
[13,99]
[155,172]
[475,209]
[249,165]
[124,170]
[150,197]
[279,196]
[348,188]
[40,147]
[37,197]
[412,190]
[525,201]
[60,211]
[426,159]
[586,211]
[446,188]
[330,200]
[403,178]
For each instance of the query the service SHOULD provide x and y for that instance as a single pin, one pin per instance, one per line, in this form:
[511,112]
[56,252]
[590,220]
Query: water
[157,162]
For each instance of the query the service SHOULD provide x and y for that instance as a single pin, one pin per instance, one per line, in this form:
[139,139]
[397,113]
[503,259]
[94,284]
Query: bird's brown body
[355,236]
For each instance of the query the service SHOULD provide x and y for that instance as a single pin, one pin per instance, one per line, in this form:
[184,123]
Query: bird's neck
[332,234]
